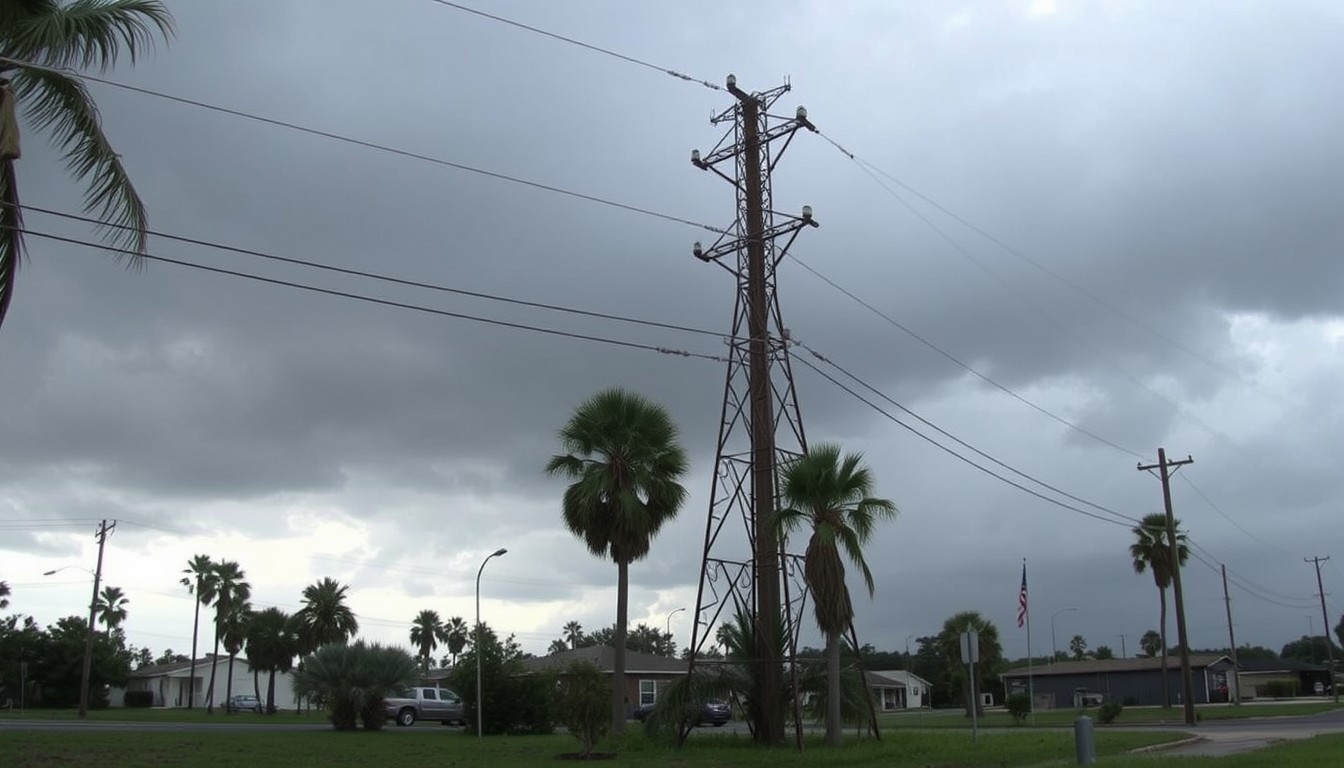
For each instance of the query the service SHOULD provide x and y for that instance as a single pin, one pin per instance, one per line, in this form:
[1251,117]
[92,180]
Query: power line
[963,443]
[952,452]
[384,277]
[581,44]
[365,144]
[383,302]
[1228,518]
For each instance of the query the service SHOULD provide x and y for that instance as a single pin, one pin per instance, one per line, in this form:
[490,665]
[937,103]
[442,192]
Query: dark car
[243,703]
[714,712]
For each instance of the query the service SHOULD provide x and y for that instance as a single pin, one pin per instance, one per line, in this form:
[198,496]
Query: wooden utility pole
[103,530]
[1165,469]
[1232,642]
[1325,623]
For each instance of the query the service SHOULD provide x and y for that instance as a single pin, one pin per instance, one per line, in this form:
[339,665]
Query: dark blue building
[1076,684]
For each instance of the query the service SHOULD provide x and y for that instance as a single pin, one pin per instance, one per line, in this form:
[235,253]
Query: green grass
[451,747]
[1319,752]
[1058,718]
[181,715]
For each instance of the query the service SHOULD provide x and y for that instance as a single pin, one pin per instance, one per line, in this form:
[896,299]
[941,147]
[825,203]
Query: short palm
[51,35]
[832,494]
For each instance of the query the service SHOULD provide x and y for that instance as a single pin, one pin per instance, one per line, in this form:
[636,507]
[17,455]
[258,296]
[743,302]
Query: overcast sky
[1166,176]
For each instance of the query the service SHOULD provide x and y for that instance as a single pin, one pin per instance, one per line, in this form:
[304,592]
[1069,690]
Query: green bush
[1019,706]
[353,679]
[1108,712]
[584,703]
[512,700]
[138,699]
[1279,689]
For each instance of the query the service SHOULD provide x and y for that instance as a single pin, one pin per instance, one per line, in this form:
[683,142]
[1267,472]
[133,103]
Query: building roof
[1279,665]
[603,657]
[893,679]
[1099,666]
[160,670]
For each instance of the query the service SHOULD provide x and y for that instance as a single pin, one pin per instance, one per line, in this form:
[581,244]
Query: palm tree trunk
[618,653]
[270,694]
[256,683]
[195,629]
[228,684]
[214,663]
[1162,631]
[833,689]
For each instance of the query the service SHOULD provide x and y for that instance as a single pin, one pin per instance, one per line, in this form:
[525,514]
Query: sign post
[970,654]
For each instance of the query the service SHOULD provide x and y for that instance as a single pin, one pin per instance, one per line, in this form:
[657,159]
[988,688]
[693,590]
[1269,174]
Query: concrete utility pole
[1325,623]
[1232,641]
[103,530]
[1166,469]
[1123,653]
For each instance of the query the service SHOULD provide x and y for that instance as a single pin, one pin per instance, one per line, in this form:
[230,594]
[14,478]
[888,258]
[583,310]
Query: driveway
[1227,737]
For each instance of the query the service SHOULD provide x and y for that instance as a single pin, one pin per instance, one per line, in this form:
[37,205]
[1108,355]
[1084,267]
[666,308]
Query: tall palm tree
[325,617]
[573,634]
[456,629]
[622,455]
[46,35]
[427,631]
[111,608]
[198,569]
[227,588]
[1152,552]
[949,647]
[233,632]
[832,494]
[4,595]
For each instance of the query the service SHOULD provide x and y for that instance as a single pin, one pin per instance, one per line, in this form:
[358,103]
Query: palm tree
[457,636]
[427,631]
[832,493]
[573,634]
[949,647]
[557,645]
[272,644]
[621,453]
[1152,552]
[233,631]
[354,679]
[227,588]
[38,37]
[325,617]
[1151,643]
[198,569]
[4,595]
[111,608]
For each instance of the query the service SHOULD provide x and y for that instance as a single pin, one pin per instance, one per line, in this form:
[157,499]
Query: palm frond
[11,235]
[87,33]
[62,104]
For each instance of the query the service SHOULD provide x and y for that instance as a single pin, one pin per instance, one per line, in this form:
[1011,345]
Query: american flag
[1022,599]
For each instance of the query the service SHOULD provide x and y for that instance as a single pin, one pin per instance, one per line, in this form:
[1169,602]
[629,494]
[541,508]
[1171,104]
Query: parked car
[714,712]
[243,702]
[425,703]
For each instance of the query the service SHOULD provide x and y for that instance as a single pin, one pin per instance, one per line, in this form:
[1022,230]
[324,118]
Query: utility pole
[1123,653]
[103,530]
[745,481]
[1232,641]
[1325,623]
[1166,469]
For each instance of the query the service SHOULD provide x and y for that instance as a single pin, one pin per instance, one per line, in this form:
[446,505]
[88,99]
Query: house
[645,674]
[1065,684]
[1256,673]
[893,690]
[170,683]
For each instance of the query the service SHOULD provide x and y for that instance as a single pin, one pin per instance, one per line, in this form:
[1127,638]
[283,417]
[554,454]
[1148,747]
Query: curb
[1168,745]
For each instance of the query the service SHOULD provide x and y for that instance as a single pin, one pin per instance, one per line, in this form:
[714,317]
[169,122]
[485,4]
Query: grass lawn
[1320,752]
[178,715]
[451,746]
[1058,718]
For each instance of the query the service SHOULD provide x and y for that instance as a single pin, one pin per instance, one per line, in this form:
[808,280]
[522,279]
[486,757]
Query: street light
[1053,650]
[496,553]
[668,632]
[88,636]
[907,675]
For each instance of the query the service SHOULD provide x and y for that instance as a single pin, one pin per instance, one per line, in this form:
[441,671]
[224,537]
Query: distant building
[1068,684]
[897,689]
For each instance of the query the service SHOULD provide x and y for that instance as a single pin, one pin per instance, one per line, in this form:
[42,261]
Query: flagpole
[1031,687]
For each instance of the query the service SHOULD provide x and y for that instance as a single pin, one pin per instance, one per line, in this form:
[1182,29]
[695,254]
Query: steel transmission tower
[745,569]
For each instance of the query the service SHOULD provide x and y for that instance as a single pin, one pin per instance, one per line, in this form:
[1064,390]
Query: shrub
[513,701]
[1019,706]
[138,699]
[584,703]
[353,679]
[1279,689]
[1107,712]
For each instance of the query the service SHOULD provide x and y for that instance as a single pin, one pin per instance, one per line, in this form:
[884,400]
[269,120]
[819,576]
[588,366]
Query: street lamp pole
[668,631]
[1054,651]
[496,553]
[907,675]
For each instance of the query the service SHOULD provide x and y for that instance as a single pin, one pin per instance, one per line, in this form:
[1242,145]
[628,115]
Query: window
[429,694]
[648,692]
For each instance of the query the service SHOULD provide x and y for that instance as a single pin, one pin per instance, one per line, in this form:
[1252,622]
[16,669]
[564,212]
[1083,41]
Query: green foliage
[1108,712]
[641,639]
[139,699]
[1250,652]
[1151,643]
[949,646]
[1312,650]
[353,681]
[1279,689]
[1103,652]
[1019,706]
[324,617]
[583,703]
[512,700]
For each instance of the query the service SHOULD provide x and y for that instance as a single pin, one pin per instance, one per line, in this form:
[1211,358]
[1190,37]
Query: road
[1227,737]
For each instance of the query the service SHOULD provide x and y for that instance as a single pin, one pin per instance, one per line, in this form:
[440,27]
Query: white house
[170,683]
[897,689]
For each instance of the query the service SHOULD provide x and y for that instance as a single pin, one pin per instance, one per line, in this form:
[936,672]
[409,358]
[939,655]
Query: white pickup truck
[425,703]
